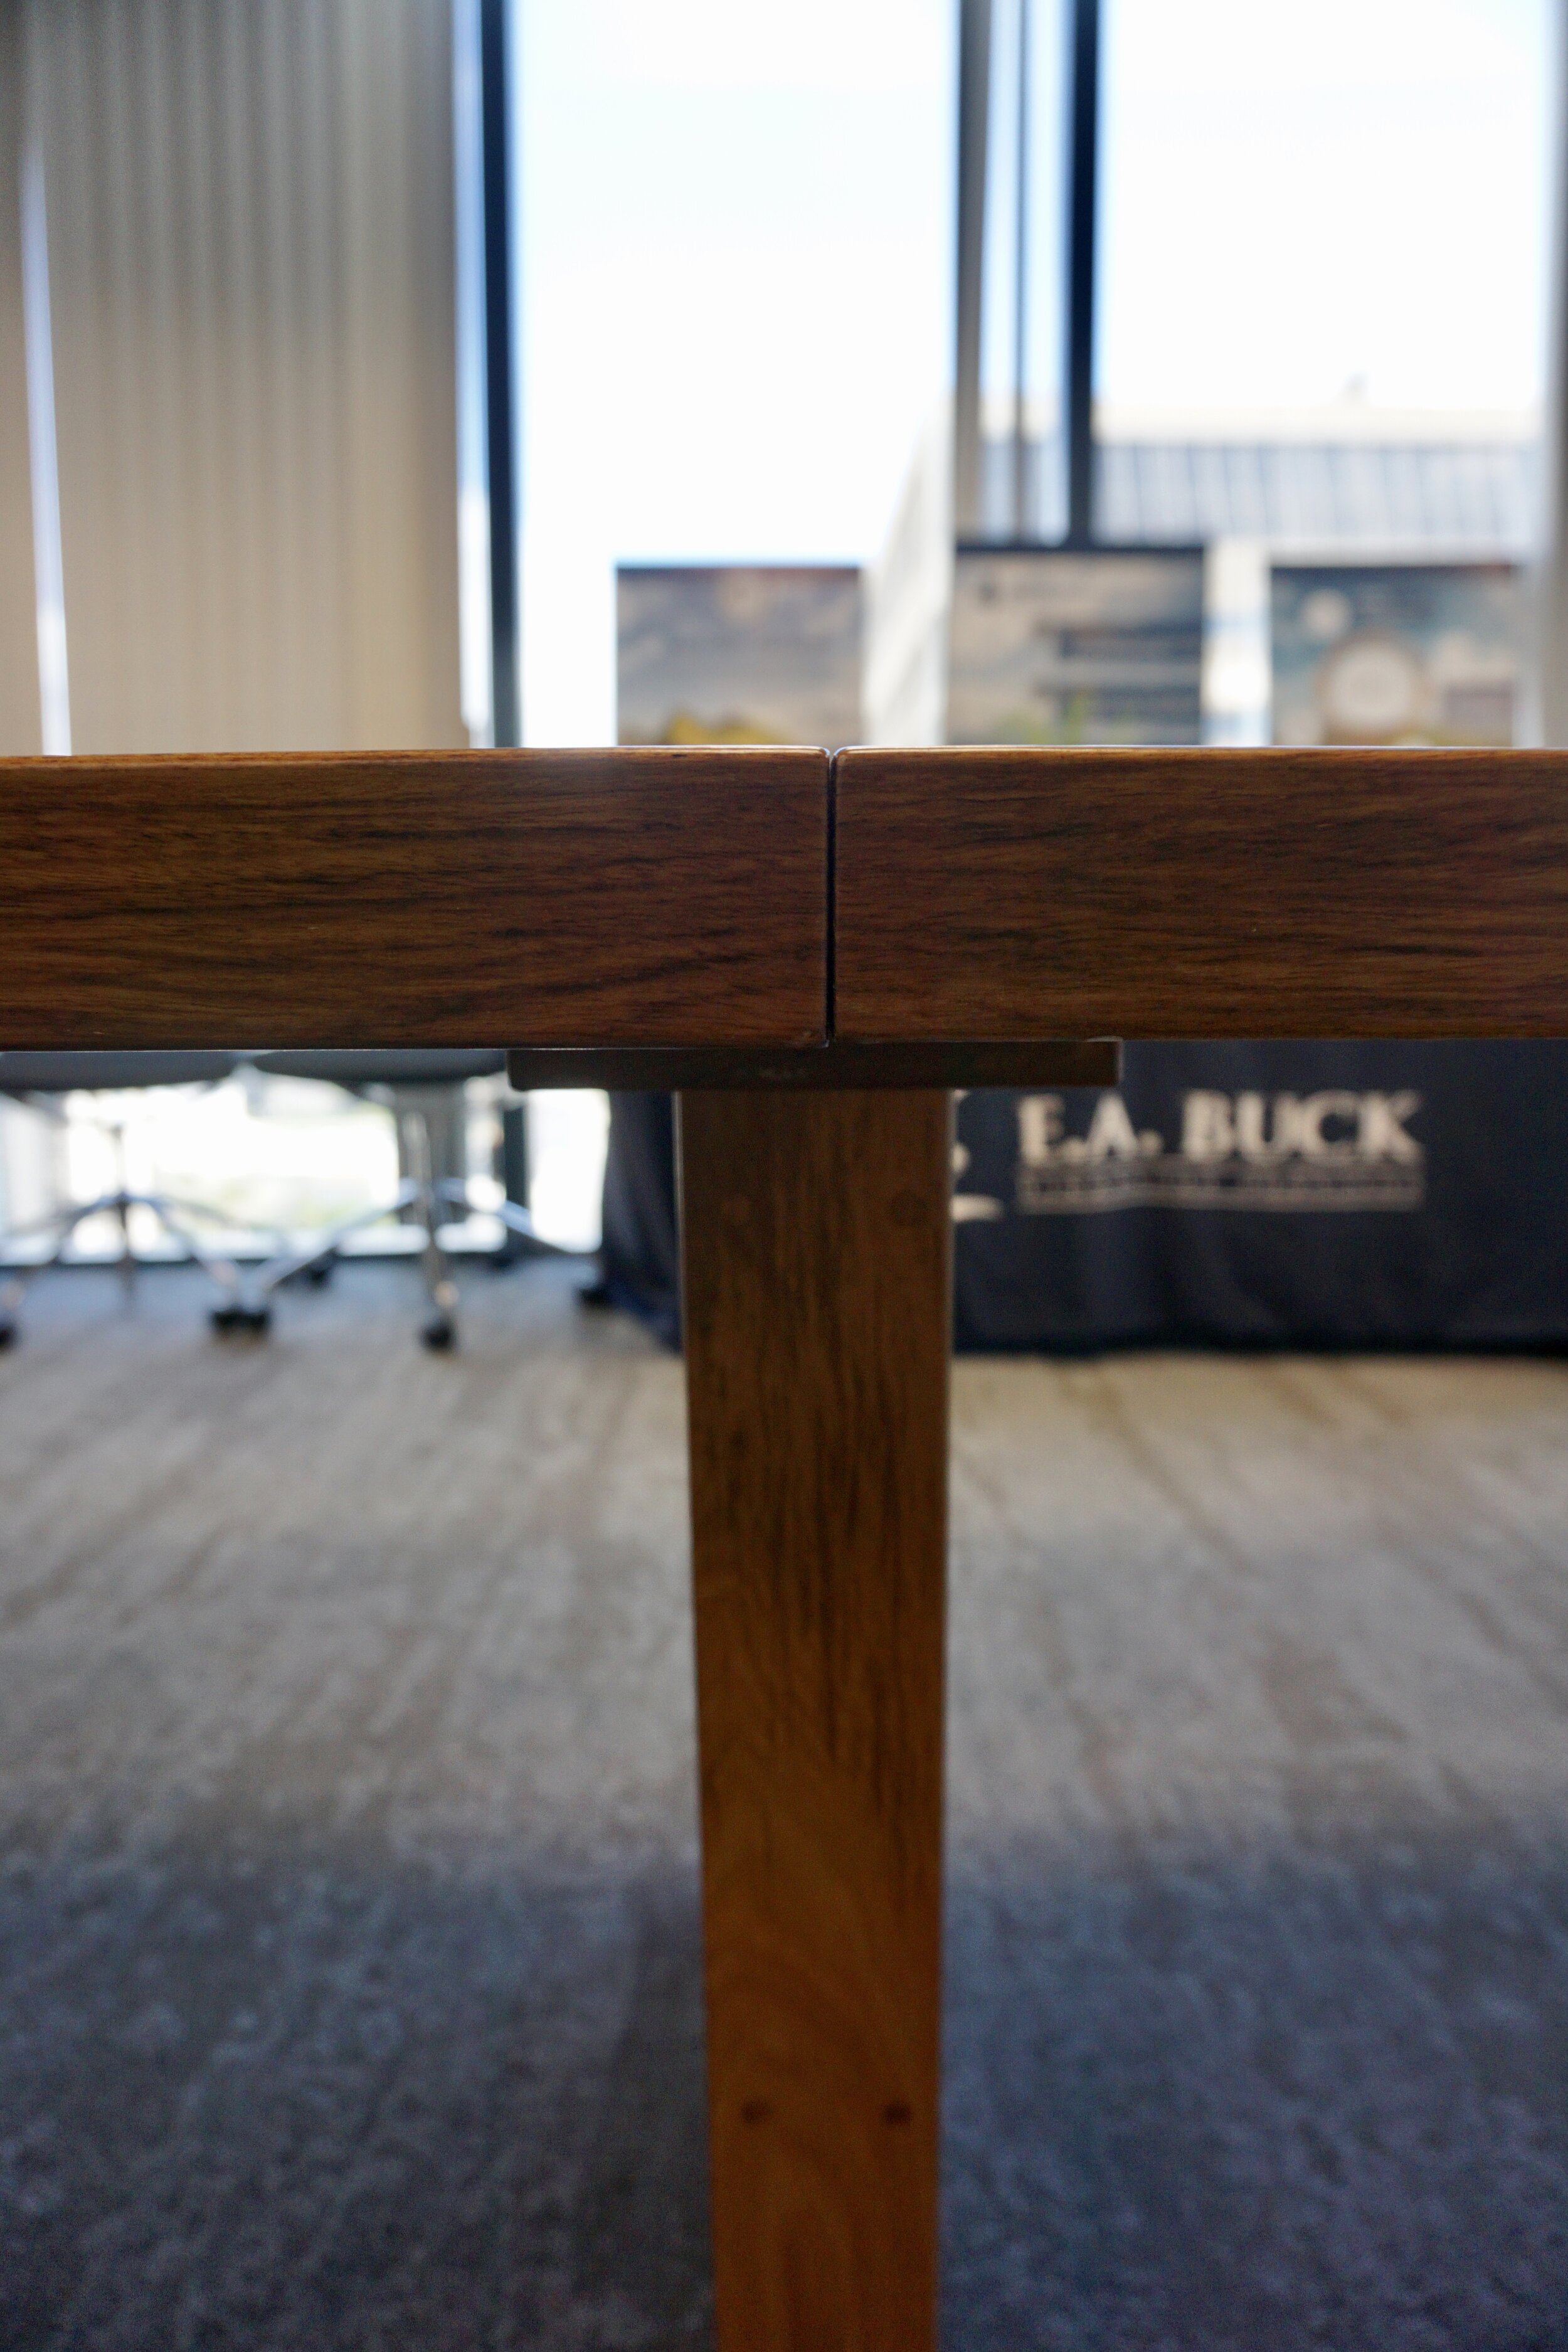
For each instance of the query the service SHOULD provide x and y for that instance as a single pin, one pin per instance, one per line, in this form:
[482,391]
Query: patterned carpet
[348,1918]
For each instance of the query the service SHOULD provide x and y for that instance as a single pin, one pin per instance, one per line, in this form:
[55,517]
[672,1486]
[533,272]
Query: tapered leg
[816,1270]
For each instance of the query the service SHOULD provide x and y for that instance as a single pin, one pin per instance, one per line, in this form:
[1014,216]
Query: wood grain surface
[467,898]
[817,1307]
[991,894]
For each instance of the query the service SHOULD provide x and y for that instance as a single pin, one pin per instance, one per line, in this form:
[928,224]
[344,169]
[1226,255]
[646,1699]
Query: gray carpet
[348,1921]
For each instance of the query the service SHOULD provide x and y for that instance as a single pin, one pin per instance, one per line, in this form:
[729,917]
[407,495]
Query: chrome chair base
[434,1203]
[236,1311]
[39,1081]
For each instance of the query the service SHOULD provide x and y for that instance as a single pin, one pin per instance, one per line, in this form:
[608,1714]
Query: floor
[348,1923]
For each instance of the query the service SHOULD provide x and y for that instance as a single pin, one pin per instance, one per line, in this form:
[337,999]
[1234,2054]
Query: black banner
[1311,1196]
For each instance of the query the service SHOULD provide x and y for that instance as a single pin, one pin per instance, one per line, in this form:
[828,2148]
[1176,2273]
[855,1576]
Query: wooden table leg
[817,1276]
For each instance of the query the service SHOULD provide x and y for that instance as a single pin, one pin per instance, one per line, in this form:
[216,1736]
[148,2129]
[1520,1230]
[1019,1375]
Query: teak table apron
[813,956]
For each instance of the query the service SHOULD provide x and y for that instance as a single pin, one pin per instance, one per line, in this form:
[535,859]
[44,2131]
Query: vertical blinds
[251,274]
[20,731]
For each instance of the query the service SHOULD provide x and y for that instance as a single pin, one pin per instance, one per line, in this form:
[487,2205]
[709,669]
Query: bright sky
[1299,192]
[737,254]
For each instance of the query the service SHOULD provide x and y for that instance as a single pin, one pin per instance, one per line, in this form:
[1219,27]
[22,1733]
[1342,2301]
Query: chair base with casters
[422,1086]
[38,1080]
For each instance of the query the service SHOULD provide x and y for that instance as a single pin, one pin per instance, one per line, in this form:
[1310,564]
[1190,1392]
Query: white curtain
[19,711]
[250,220]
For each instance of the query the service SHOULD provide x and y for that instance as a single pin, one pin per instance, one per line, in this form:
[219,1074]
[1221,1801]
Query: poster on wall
[1048,646]
[1396,653]
[743,653]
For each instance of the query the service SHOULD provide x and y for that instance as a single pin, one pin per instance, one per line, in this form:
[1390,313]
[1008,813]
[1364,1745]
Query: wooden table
[812,953]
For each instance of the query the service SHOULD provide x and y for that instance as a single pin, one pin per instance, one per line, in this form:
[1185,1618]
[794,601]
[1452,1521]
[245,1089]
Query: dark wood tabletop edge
[1395,757]
[60,771]
[640,894]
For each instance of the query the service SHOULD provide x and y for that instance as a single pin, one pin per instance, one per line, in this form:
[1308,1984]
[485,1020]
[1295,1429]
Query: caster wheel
[595,1298]
[318,1276]
[9,1335]
[440,1334]
[252,1320]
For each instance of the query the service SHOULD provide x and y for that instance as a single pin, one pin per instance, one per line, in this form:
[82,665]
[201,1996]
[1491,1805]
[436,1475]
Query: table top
[930,916]
[649,897]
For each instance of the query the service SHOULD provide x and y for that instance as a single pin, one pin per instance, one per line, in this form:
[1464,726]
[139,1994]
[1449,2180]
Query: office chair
[39,1080]
[424,1090]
